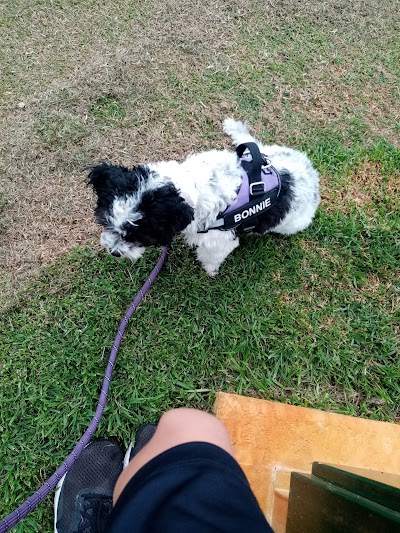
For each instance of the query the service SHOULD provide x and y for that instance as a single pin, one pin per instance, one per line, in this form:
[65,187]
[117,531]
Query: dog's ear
[184,216]
[109,181]
[102,176]
[166,211]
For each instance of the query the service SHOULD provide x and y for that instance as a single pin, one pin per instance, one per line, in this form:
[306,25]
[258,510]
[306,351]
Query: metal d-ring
[266,164]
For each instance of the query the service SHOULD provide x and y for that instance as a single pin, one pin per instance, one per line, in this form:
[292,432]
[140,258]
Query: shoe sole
[126,457]
[56,499]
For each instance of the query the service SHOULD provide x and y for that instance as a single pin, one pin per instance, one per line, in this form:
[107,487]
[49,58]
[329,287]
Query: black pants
[193,488]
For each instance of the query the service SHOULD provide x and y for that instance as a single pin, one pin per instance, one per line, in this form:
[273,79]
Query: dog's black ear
[113,180]
[184,216]
[165,212]
[102,176]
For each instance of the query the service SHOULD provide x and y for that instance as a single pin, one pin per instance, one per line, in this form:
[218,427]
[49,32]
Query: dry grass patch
[328,63]
[384,289]
[74,96]
[364,188]
[313,247]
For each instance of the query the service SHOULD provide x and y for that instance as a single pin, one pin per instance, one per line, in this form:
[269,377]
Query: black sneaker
[142,437]
[83,498]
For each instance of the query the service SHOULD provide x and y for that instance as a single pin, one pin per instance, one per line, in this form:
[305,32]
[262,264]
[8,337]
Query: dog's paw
[211,270]
[135,253]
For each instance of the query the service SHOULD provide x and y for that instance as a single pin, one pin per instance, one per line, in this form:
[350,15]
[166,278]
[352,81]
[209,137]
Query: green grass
[57,130]
[107,110]
[307,320]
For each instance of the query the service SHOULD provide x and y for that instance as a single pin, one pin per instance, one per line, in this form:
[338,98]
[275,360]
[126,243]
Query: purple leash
[16,516]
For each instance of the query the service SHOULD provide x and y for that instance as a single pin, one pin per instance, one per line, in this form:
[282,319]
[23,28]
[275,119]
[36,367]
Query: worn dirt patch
[73,96]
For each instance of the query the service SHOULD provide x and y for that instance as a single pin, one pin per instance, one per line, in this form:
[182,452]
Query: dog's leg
[213,248]
[238,132]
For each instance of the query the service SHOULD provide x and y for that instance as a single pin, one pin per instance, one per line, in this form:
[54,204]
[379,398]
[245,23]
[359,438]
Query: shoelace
[94,511]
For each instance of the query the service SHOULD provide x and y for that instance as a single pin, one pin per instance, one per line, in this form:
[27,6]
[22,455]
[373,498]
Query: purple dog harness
[260,188]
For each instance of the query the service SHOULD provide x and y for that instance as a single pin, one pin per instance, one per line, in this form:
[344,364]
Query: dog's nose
[115,253]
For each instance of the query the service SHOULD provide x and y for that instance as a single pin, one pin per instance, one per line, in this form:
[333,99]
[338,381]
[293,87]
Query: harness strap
[252,168]
[259,190]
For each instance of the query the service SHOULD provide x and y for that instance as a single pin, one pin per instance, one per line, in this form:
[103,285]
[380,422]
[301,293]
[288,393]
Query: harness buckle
[266,164]
[257,188]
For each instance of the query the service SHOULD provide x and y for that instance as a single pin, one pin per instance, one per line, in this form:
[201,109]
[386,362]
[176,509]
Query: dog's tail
[238,132]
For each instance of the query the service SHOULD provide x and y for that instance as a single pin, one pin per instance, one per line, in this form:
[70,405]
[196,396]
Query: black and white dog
[150,204]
